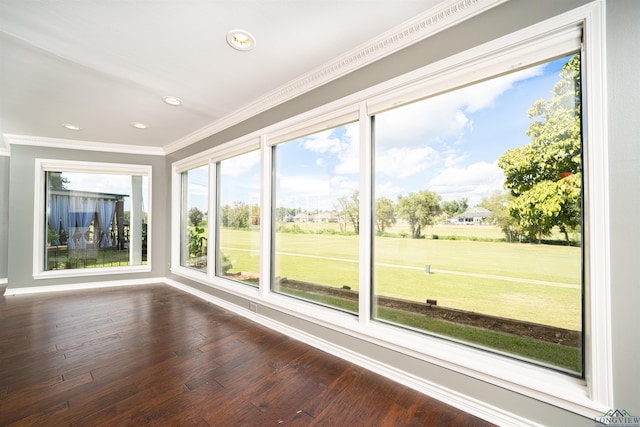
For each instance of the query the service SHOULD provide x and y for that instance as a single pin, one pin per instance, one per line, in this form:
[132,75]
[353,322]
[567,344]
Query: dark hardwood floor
[152,355]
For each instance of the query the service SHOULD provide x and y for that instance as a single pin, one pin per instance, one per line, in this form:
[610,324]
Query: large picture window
[316,218]
[478,215]
[456,214]
[97,217]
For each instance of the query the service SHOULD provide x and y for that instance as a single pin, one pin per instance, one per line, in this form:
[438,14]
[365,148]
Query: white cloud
[474,182]
[454,159]
[323,142]
[404,162]
[443,118]
[349,159]
[388,189]
[242,164]
[341,185]
[482,95]
[420,124]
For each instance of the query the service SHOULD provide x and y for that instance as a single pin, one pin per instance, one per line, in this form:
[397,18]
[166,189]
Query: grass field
[332,260]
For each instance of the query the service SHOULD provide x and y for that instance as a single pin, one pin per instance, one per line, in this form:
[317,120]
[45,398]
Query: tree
[224,215]
[56,181]
[349,208]
[239,215]
[544,176]
[385,214]
[498,204]
[455,207]
[419,210]
[195,216]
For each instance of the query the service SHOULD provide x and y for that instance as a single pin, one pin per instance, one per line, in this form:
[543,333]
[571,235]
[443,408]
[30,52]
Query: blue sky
[448,144]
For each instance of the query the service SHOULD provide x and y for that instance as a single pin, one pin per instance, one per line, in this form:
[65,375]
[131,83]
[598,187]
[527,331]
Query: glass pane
[316,218]
[95,220]
[195,209]
[239,218]
[479,212]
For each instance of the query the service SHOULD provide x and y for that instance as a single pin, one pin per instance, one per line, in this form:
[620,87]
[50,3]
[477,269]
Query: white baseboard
[83,286]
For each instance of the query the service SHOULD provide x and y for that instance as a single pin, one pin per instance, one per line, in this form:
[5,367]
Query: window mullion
[212,221]
[266,209]
[366,214]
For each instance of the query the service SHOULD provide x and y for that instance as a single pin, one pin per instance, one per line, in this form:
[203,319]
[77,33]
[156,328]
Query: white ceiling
[104,64]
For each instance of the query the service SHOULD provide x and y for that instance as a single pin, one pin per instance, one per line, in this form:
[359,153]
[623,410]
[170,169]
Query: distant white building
[472,215]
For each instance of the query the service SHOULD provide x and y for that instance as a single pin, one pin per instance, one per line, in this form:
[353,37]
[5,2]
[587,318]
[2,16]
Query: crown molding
[74,144]
[437,19]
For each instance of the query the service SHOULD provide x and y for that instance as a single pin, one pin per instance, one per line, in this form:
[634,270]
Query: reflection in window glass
[238,255]
[95,220]
[194,230]
[316,222]
[478,214]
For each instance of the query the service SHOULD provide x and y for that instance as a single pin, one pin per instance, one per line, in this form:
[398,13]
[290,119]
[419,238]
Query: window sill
[547,385]
[230,286]
[83,272]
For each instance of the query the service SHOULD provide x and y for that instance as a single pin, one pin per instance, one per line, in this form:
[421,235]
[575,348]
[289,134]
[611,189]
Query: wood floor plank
[155,356]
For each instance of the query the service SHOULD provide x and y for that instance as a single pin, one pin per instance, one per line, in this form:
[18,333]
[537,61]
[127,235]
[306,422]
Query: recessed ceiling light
[241,40]
[172,100]
[71,127]
[139,125]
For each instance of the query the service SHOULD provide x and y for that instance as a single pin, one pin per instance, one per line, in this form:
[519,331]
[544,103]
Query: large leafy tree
[385,214]
[419,210]
[544,176]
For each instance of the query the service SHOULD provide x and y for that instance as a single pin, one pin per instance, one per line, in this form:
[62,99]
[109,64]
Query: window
[316,218]
[194,218]
[456,214]
[97,217]
[238,249]
[478,215]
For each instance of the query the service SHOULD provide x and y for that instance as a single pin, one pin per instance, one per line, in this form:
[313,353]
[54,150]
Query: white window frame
[210,158]
[588,397]
[39,220]
[292,129]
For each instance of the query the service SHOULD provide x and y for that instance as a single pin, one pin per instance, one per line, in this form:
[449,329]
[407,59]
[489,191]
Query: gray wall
[4,215]
[21,202]
[623,65]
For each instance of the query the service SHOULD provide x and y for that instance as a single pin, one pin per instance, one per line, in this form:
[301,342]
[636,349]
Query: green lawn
[563,357]
[332,260]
